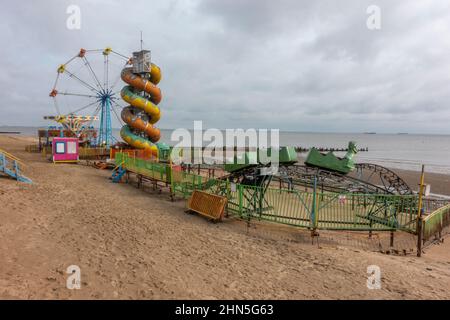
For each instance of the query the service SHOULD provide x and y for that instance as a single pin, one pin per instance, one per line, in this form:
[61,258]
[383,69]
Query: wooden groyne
[321,149]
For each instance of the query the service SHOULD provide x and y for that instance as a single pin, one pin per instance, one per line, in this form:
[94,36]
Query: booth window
[71,147]
[60,147]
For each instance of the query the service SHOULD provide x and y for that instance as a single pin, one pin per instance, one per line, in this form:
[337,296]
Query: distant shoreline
[281,131]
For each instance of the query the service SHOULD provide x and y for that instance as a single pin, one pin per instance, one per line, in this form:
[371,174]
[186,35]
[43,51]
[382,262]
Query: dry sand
[135,244]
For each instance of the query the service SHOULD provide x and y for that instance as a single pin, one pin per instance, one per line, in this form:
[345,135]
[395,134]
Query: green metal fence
[181,182]
[150,169]
[184,183]
[315,210]
[366,212]
[330,211]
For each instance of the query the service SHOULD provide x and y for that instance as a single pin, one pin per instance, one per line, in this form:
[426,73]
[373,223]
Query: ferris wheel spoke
[87,85]
[116,81]
[94,114]
[56,106]
[117,105]
[117,116]
[84,107]
[56,81]
[91,71]
[71,59]
[116,95]
[121,55]
[77,94]
[105,68]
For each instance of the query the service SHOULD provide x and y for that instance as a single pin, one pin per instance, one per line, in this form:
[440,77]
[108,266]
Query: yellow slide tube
[130,94]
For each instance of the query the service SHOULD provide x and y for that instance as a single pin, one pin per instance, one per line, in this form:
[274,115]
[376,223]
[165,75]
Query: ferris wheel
[86,84]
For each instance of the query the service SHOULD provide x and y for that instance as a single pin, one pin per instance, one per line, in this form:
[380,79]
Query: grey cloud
[292,65]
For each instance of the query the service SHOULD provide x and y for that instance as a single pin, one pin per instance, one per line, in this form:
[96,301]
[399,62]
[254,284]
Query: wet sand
[135,244]
[440,183]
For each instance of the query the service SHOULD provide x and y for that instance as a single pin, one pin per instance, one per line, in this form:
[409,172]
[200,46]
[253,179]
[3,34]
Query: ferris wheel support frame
[105,136]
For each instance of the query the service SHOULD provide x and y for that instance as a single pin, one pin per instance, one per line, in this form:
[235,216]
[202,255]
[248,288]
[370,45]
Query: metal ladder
[118,173]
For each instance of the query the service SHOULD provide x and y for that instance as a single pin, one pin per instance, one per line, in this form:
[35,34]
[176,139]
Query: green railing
[434,223]
[154,170]
[181,182]
[315,210]
[330,211]
[366,212]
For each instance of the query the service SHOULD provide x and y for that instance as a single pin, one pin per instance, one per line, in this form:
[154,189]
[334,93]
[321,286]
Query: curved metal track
[367,178]
[328,180]
[382,176]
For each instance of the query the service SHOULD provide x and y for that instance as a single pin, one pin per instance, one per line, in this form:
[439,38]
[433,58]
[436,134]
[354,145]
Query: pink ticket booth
[65,149]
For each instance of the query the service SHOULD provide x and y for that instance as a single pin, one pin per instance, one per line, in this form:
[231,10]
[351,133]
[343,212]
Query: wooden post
[419,214]
[419,237]
[172,187]
[392,239]
[314,216]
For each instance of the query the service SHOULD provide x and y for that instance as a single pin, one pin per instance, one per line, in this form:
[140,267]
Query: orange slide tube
[147,104]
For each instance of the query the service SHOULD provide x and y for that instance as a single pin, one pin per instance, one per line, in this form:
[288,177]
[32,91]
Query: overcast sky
[293,65]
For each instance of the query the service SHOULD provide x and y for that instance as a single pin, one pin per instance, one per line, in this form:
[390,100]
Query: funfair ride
[143,97]
[84,83]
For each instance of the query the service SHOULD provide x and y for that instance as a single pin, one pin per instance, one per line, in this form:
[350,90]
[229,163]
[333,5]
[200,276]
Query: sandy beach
[136,244]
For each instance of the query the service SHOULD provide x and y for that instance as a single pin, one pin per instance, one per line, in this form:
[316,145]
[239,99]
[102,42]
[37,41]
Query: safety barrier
[436,222]
[149,169]
[209,205]
[318,210]
[33,148]
[315,210]
[133,153]
[93,153]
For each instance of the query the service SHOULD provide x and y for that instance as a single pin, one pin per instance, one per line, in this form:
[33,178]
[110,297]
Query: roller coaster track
[368,178]
[326,180]
[390,181]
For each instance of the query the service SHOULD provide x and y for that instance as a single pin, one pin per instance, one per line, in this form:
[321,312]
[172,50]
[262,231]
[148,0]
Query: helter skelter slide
[143,97]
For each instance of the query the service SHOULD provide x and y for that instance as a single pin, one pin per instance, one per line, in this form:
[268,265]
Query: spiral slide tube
[143,111]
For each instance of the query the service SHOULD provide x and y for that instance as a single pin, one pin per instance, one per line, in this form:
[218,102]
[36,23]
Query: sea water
[398,151]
